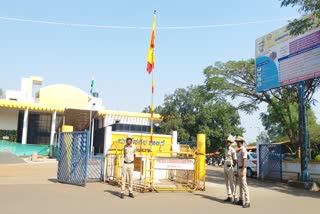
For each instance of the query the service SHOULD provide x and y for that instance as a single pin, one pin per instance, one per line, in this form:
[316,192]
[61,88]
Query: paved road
[32,189]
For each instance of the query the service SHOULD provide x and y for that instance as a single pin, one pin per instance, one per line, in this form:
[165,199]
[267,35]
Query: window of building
[134,128]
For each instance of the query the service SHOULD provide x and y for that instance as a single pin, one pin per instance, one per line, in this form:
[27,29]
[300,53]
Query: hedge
[12,134]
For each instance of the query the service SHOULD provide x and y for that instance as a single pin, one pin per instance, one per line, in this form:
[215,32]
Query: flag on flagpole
[150,54]
[92,84]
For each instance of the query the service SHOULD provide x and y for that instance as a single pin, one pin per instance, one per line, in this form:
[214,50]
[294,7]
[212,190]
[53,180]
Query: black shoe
[247,205]
[122,196]
[229,199]
[131,195]
[239,202]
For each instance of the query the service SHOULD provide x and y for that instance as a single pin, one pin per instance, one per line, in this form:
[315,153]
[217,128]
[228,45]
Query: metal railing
[149,178]
[96,168]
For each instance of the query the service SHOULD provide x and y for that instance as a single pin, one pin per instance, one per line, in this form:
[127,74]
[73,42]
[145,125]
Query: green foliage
[276,131]
[273,124]
[317,158]
[204,108]
[237,79]
[252,144]
[312,7]
[12,134]
[234,79]
[190,111]
[157,110]
[1,94]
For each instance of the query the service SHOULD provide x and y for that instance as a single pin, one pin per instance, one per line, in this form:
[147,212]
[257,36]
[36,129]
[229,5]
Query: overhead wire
[46,22]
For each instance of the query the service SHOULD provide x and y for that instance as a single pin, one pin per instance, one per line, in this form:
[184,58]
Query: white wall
[9,119]
[13,95]
[314,169]
[26,90]
[296,167]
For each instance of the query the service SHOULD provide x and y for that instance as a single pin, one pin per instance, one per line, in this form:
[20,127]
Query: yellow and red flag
[150,54]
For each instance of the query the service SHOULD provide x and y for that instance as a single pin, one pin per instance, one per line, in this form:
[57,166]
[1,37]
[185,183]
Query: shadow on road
[114,193]
[53,180]
[216,175]
[219,200]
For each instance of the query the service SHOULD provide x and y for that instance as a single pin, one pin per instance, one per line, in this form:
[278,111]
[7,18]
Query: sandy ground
[32,189]
[8,158]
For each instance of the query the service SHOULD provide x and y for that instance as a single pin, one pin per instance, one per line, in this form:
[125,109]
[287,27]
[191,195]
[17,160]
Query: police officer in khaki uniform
[230,161]
[128,166]
[244,198]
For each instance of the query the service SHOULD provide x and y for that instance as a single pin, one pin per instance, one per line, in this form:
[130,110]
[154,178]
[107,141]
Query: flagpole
[150,67]
[90,119]
[152,108]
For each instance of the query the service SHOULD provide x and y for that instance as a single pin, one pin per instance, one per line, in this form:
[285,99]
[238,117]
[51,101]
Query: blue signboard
[282,59]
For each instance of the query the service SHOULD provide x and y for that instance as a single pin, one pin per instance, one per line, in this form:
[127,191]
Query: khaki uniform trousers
[127,174]
[244,190]
[228,177]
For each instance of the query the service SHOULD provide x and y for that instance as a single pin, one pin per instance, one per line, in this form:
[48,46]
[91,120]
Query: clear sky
[65,54]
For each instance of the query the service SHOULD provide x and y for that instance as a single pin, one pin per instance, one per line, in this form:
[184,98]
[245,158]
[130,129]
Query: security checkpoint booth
[159,166]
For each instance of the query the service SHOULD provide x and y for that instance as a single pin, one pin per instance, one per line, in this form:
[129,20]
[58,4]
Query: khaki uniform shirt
[230,155]
[129,153]
[242,154]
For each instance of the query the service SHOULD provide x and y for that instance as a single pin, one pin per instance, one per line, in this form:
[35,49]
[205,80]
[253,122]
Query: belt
[128,162]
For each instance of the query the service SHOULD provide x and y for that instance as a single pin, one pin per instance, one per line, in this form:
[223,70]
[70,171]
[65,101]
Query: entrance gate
[73,158]
[270,162]
[96,166]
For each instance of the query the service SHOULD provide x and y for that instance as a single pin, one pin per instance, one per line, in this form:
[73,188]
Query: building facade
[36,118]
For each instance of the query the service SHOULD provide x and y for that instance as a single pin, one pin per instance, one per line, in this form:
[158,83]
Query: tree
[277,134]
[157,110]
[237,79]
[273,125]
[312,7]
[189,111]
[1,94]
[263,138]
[314,137]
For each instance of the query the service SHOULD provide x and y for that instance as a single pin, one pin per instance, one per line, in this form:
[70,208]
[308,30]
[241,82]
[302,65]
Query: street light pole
[91,130]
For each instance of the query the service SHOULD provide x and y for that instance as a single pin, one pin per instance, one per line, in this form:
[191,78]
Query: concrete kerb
[311,186]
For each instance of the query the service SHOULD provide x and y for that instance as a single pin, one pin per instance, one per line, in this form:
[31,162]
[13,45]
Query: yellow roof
[39,107]
[129,114]
[27,105]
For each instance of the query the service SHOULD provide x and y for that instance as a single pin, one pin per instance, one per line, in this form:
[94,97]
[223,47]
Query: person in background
[244,198]
[229,163]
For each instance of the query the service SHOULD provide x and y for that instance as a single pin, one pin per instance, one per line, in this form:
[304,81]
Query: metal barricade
[113,168]
[96,168]
[175,179]
[270,162]
[157,171]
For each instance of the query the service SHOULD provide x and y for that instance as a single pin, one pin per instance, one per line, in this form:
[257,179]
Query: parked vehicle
[209,160]
[221,162]
[289,156]
[251,164]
